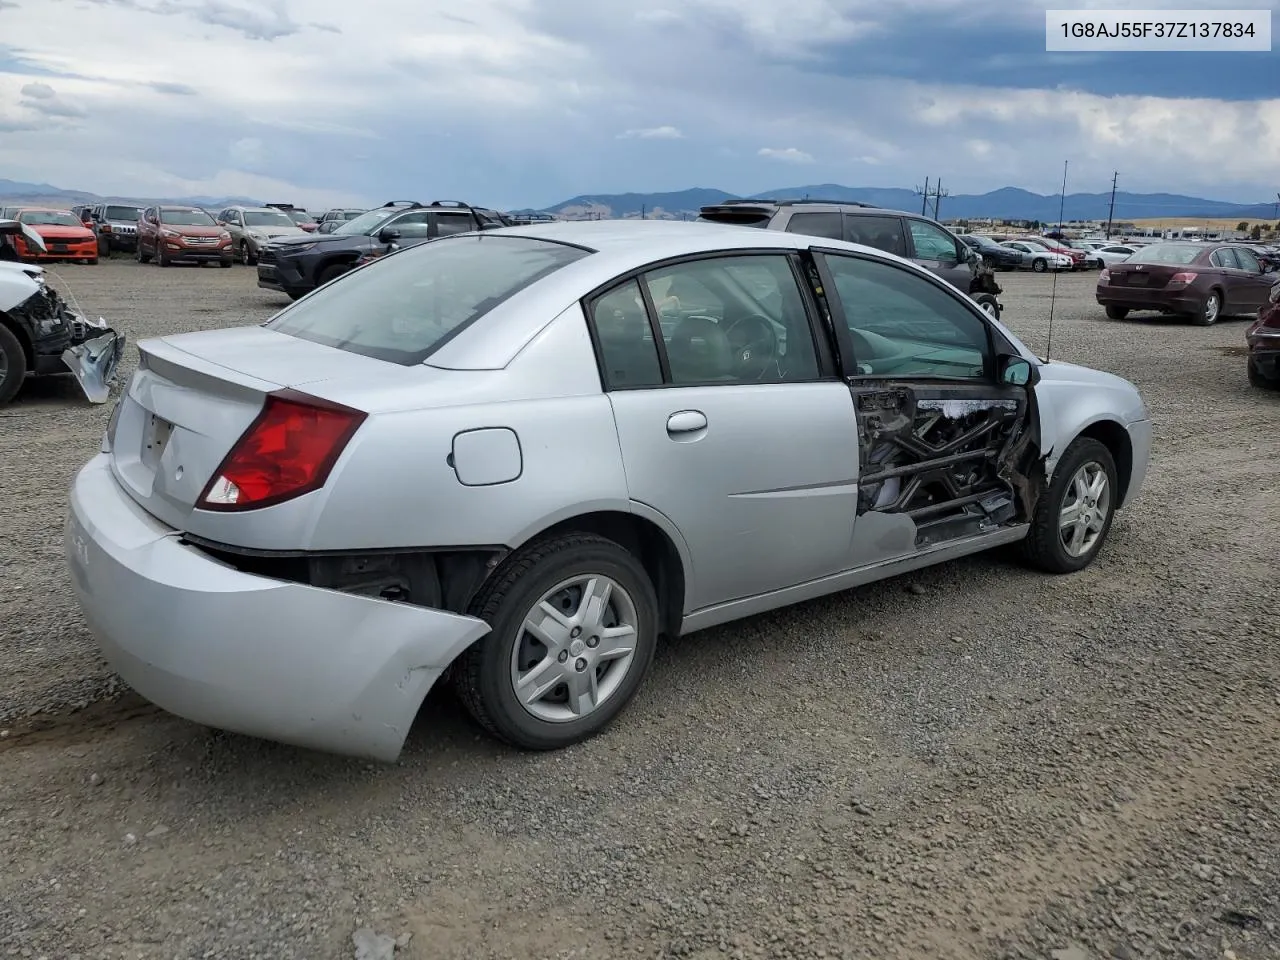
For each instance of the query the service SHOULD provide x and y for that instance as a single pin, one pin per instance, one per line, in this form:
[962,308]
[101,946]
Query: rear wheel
[1117,313]
[1073,516]
[989,304]
[575,625]
[1211,310]
[1040,265]
[1256,379]
[13,364]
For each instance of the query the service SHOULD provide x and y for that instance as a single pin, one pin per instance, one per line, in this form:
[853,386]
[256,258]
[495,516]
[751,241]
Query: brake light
[1104,277]
[287,451]
[1182,279]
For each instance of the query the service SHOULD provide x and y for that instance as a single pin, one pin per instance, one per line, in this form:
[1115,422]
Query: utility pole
[924,194]
[1112,209]
[938,194]
[642,211]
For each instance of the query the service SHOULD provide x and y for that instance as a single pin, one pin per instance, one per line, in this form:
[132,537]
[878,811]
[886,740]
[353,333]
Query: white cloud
[789,154]
[652,133]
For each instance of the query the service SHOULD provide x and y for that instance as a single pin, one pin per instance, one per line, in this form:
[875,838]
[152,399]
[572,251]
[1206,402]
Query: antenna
[1053,293]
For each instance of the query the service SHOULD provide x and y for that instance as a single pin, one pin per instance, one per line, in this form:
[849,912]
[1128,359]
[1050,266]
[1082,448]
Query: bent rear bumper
[282,661]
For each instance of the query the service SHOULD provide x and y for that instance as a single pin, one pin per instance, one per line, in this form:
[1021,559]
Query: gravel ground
[974,761]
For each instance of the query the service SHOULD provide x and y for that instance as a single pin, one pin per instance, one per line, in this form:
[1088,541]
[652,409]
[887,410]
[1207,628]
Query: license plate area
[1137,279]
[155,437]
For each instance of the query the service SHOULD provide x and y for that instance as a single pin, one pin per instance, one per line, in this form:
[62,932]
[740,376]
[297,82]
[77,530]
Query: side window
[904,325]
[1225,257]
[883,233]
[932,243]
[827,225]
[627,350]
[1248,261]
[448,224]
[412,225]
[734,320]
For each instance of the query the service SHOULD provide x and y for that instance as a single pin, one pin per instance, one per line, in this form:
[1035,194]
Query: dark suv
[909,235]
[297,265]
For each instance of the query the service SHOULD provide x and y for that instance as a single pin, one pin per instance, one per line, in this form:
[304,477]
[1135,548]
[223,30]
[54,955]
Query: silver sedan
[515,459]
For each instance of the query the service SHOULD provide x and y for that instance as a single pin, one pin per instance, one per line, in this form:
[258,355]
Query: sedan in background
[1108,252]
[1199,281]
[65,236]
[1263,338]
[994,255]
[515,458]
[1036,257]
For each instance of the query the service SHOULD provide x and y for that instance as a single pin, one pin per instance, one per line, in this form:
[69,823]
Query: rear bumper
[282,661]
[1264,352]
[1136,298]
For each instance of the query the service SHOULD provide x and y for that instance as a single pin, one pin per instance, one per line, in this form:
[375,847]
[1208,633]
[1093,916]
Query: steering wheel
[754,342]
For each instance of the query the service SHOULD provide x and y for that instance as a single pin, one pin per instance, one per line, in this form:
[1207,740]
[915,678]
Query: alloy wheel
[575,648]
[1212,306]
[1085,509]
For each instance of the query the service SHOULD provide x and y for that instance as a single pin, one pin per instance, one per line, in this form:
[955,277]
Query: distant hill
[1008,202]
[45,194]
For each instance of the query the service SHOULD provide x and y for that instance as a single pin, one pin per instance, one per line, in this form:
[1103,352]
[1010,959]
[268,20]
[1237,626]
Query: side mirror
[1017,372]
[388,235]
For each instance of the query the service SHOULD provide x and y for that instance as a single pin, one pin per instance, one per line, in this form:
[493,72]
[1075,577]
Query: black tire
[1039,265]
[1043,547]
[246,255]
[988,300]
[482,675]
[1208,315]
[1117,313]
[332,272]
[142,257]
[161,259]
[295,296]
[225,263]
[1256,379]
[14,366]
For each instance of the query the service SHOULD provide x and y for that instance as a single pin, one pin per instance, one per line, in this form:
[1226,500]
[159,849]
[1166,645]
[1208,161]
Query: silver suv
[909,235]
[252,228]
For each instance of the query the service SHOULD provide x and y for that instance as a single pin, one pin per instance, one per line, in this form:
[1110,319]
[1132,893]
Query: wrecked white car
[40,334]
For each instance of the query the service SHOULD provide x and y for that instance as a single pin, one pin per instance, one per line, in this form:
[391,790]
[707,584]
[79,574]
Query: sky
[514,103]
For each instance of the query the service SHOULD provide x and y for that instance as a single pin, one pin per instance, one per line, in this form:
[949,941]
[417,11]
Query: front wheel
[575,625]
[1040,266]
[162,258]
[142,257]
[246,255]
[989,304]
[1117,313]
[1073,516]
[13,364]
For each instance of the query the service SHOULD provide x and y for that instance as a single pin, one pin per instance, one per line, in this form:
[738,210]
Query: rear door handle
[685,422]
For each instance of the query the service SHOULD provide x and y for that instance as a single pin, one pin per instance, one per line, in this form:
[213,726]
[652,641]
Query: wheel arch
[1112,435]
[28,350]
[651,539]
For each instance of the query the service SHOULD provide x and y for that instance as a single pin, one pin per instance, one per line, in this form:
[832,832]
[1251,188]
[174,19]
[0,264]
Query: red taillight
[1181,279]
[1104,278]
[287,451]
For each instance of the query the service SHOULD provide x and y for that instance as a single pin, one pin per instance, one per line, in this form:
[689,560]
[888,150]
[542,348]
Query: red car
[64,236]
[1200,281]
[1264,344]
[1080,259]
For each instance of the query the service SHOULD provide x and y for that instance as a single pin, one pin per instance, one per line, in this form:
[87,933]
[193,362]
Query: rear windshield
[402,307]
[1172,253]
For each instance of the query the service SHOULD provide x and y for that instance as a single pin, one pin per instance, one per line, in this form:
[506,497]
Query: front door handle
[685,422]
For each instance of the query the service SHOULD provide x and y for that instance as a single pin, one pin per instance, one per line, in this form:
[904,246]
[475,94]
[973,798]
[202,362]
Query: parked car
[1079,260]
[995,255]
[1108,252]
[1036,257]
[492,455]
[116,227]
[330,220]
[172,234]
[64,236]
[251,228]
[41,335]
[299,216]
[1200,281]
[1263,338]
[297,265]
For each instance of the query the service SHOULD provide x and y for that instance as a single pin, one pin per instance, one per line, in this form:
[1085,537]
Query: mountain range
[1009,203]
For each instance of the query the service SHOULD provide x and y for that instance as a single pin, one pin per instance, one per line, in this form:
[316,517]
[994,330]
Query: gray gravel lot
[975,761]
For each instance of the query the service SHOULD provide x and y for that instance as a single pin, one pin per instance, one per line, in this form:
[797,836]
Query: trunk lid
[194,395]
[1149,276]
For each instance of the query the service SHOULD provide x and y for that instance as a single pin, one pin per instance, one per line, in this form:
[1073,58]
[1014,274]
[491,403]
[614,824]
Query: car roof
[617,247]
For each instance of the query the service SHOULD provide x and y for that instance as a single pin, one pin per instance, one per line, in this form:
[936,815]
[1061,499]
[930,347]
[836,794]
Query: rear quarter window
[405,306]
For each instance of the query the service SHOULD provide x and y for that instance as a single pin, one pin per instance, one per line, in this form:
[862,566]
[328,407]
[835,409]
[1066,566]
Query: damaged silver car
[513,459]
[40,334]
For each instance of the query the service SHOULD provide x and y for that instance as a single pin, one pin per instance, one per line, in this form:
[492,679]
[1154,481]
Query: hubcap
[1085,509]
[575,648]
[1211,308]
[989,309]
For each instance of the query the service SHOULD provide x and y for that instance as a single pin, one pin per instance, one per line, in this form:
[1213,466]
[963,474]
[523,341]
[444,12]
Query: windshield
[367,222]
[50,218]
[1171,253]
[300,216]
[122,213]
[401,307]
[187,218]
[266,218]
